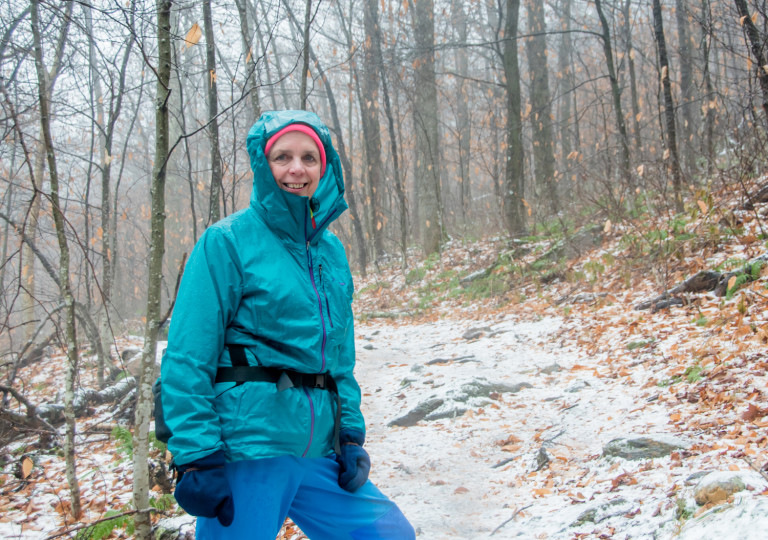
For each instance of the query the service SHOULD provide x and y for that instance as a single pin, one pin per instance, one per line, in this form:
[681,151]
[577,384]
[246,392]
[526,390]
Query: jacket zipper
[322,350]
[322,285]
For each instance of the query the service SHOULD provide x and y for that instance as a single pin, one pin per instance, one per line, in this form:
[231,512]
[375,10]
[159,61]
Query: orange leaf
[193,36]
[26,467]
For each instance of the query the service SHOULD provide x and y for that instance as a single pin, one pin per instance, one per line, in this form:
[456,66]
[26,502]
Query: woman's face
[295,163]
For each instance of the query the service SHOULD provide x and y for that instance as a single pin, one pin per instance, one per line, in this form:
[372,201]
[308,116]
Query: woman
[258,387]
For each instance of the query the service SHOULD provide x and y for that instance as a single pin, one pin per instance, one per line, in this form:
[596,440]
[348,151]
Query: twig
[752,464]
[510,519]
[110,518]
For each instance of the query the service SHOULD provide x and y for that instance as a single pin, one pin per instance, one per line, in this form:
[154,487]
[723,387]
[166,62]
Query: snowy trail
[445,473]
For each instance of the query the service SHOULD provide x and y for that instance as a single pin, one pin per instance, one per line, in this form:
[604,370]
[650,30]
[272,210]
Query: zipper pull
[320,271]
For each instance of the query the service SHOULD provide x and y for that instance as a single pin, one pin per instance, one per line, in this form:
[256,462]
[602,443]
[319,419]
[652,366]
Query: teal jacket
[265,278]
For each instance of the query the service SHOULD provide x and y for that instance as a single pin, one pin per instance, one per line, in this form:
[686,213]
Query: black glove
[353,460]
[204,490]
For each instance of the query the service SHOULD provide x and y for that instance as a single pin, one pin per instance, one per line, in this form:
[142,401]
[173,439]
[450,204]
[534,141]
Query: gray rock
[716,487]
[642,448]
[482,388]
[578,386]
[745,520]
[601,512]
[418,413]
[454,402]
[474,333]
[550,369]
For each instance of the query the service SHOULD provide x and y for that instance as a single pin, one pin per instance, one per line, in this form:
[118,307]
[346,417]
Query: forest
[458,122]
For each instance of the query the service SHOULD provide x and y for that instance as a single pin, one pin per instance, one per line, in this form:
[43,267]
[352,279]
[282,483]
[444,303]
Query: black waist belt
[241,372]
[284,378]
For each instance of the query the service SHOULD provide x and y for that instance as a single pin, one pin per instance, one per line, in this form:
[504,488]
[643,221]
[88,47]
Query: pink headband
[306,130]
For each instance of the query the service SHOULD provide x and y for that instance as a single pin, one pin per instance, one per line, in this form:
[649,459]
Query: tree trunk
[669,106]
[214,213]
[624,164]
[251,82]
[305,56]
[369,113]
[156,250]
[688,124]
[541,104]
[565,85]
[28,300]
[757,42]
[64,280]
[464,127]
[514,183]
[426,127]
[399,188]
[709,103]
[630,55]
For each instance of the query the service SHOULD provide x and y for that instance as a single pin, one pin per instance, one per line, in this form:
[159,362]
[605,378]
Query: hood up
[288,213]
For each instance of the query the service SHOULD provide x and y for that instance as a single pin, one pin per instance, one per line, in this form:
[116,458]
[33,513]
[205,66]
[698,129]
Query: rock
[453,403]
[178,527]
[745,520]
[474,276]
[417,414]
[483,388]
[717,486]
[642,448]
[550,369]
[368,347]
[542,458]
[578,386]
[474,333]
[129,352]
[601,512]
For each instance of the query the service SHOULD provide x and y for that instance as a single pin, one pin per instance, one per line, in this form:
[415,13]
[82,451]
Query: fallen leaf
[26,467]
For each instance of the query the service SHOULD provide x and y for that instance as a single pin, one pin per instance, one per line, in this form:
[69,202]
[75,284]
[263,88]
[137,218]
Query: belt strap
[241,372]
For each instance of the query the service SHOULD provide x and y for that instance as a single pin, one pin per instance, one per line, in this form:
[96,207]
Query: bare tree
[514,184]
[541,105]
[369,113]
[156,250]
[669,106]
[214,213]
[65,285]
[425,122]
[756,42]
[624,160]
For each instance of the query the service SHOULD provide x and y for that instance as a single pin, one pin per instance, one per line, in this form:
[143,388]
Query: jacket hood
[288,213]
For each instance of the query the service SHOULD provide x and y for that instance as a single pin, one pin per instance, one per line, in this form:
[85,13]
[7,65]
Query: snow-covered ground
[483,473]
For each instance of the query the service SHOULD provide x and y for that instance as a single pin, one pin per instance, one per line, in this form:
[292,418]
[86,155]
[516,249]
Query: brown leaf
[193,36]
[26,467]
[461,489]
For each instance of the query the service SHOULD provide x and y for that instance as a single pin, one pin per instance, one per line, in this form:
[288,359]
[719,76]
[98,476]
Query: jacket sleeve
[349,390]
[208,297]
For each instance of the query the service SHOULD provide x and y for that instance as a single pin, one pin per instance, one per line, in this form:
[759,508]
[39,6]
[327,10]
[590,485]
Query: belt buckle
[319,381]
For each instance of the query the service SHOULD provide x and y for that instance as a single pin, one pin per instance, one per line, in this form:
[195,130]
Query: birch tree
[156,250]
[65,285]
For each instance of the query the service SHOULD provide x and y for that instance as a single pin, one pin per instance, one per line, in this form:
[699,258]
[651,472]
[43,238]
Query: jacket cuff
[211,461]
[351,436]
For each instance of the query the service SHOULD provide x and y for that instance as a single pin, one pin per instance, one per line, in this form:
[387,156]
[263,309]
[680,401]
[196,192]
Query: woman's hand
[204,490]
[353,460]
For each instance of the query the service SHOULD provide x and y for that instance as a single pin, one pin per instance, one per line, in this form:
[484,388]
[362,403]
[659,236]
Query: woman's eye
[309,158]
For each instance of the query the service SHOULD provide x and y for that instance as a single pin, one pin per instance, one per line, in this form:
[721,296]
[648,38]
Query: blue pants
[265,491]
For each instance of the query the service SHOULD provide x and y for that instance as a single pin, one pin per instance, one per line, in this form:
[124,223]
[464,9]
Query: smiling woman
[258,385]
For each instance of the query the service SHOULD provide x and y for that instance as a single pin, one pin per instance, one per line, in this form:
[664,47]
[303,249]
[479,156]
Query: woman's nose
[296,165]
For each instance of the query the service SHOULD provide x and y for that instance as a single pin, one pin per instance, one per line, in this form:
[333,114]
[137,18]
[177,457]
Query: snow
[442,474]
